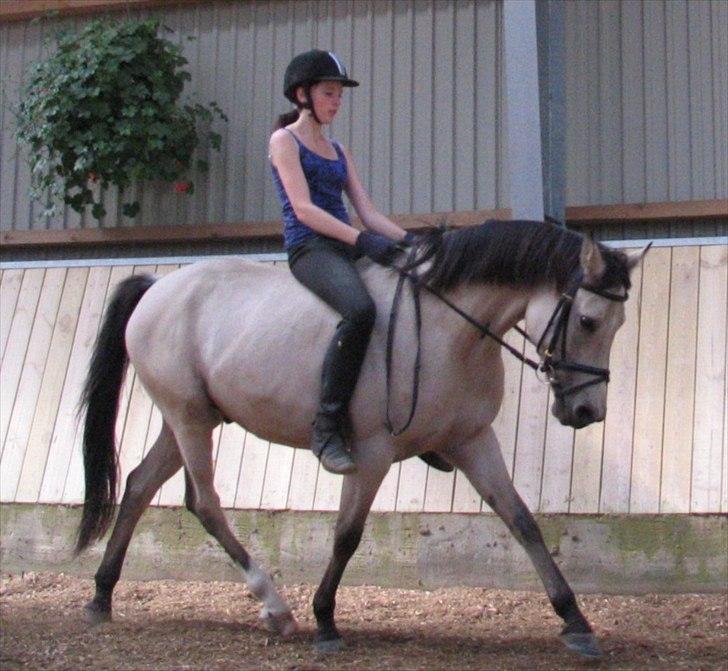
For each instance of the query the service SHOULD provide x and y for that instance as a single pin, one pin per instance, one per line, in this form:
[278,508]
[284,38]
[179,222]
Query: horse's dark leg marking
[357,495]
[160,464]
[346,541]
[484,467]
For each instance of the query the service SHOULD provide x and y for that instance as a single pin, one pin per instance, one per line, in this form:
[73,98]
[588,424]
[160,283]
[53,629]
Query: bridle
[557,326]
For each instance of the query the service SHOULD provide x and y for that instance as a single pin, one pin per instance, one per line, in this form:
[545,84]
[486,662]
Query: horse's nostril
[584,414]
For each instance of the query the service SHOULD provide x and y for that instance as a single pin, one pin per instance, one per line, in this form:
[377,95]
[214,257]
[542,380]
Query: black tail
[100,403]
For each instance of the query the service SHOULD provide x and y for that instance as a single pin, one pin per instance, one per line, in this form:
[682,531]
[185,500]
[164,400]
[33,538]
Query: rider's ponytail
[286,119]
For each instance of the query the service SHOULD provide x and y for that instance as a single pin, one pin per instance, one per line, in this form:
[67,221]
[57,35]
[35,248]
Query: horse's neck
[499,307]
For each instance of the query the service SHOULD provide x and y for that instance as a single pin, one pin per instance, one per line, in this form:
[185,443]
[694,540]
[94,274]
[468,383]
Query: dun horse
[230,339]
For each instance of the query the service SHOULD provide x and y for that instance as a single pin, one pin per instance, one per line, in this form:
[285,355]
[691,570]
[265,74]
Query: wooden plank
[21,10]
[711,387]
[529,455]
[677,447]
[73,488]
[464,497]
[17,345]
[134,433]
[23,409]
[63,440]
[558,462]
[49,397]
[657,212]
[505,424]
[587,469]
[252,472]
[277,477]
[227,465]
[650,394]
[328,491]
[412,485]
[439,491]
[619,422]
[12,280]
[304,474]
[386,498]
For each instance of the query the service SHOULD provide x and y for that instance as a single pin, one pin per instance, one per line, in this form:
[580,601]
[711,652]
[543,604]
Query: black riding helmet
[310,67]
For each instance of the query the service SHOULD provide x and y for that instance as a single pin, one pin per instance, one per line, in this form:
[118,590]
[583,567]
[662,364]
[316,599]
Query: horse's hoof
[94,614]
[582,643]
[283,624]
[329,646]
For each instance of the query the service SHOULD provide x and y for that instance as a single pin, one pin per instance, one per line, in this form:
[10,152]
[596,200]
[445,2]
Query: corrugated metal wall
[647,97]
[663,447]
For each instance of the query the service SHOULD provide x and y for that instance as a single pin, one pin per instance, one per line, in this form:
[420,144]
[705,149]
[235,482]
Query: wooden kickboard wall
[662,449]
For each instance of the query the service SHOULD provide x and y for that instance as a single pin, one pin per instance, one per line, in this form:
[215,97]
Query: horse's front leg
[482,462]
[357,495]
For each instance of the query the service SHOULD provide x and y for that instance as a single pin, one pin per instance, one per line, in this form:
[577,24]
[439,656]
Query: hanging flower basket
[105,109]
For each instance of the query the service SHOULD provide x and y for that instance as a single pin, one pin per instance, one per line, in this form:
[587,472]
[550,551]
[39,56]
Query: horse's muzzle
[578,415]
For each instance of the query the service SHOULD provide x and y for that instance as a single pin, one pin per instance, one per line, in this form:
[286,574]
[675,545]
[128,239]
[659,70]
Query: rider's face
[326,99]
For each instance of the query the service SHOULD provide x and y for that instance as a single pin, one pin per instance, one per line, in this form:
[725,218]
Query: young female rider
[310,172]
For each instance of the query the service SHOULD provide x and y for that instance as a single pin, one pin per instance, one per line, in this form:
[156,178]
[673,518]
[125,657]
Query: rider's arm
[372,219]
[285,157]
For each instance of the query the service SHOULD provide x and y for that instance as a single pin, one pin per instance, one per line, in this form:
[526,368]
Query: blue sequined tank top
[326,179]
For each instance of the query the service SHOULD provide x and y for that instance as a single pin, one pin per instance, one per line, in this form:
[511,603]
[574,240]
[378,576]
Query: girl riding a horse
[310,173]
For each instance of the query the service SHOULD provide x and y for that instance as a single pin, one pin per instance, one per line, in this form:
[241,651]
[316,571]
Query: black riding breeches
[326,267]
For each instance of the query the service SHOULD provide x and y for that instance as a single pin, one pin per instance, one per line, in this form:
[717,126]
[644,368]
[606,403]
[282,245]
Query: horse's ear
[635,258]
[591,261]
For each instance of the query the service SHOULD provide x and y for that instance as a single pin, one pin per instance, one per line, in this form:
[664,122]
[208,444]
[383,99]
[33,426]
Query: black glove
[410,239]
[377,247]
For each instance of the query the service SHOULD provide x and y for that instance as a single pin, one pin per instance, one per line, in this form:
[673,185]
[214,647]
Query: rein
[559,320]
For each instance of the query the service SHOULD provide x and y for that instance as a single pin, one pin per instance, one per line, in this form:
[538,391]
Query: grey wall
[647,100]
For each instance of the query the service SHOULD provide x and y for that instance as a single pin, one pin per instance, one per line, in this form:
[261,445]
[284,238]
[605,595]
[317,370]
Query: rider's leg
[327,268]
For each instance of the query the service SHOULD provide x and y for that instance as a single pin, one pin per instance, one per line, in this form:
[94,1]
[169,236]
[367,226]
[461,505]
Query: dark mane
[522,253]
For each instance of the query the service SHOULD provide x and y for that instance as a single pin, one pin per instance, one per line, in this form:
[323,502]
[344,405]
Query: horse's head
[574,330]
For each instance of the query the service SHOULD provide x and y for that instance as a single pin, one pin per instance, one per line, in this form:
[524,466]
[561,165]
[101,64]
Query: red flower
[182,187]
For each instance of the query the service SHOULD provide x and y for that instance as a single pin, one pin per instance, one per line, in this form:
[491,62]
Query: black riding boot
[340,372]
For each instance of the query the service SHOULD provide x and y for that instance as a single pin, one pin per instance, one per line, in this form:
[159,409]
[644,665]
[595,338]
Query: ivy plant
[105,109]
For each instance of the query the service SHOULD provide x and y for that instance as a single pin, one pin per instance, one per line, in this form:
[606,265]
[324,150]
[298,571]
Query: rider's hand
[377,247]
[409,239]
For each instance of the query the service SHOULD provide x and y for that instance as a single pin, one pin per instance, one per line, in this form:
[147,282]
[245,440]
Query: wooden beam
[581,215]
[667,211]
[20,10]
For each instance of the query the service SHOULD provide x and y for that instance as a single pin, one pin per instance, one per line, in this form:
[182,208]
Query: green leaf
[98,211]
[130,209]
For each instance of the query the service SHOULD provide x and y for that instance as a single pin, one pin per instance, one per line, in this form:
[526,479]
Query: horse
[236,340]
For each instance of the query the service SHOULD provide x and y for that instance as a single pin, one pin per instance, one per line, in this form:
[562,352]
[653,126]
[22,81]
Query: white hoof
[283,624]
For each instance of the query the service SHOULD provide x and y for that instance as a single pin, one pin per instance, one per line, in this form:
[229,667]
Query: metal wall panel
[647,85]
[647,101]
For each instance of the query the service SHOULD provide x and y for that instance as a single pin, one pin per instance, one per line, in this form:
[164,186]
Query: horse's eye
[588,323]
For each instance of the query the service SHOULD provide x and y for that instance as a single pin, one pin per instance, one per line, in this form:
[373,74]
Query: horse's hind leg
[195,442]
[160,464]
[483,465]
